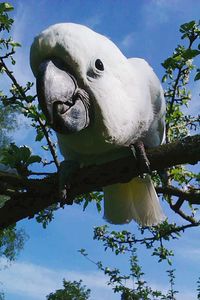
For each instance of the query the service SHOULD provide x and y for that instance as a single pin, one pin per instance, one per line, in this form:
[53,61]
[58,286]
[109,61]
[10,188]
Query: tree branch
[49,143]
[33,195]
[190,196]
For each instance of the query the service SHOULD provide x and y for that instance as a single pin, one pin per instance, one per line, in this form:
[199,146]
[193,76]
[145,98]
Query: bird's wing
[156,133]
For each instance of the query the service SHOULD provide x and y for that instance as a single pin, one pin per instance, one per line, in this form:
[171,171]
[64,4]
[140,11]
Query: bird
[100,103]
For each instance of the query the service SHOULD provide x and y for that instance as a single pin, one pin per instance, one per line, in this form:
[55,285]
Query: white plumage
[126,105]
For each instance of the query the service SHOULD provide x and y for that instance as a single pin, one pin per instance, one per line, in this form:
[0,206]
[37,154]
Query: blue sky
[140,28]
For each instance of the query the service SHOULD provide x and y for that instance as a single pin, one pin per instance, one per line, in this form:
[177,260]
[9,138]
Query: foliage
[18,100]
[19,158]
[11,239]
[8,123]
[11,242]
[140,290]
[7,113]
[71,291]
[178,183]
[177,73]
[178,70]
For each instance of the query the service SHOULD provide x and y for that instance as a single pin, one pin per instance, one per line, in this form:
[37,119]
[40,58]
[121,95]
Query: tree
[11,239]
[33,196]
[72,291]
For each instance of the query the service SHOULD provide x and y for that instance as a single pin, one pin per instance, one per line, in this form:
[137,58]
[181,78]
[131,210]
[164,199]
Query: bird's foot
[68,168]
[139,152]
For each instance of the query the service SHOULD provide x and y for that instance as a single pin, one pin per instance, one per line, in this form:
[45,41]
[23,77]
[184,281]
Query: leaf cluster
[140,288]
[12,242]
[73,290]
[178,68]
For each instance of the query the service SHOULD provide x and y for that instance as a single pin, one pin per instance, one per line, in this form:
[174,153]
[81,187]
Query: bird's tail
[136,200]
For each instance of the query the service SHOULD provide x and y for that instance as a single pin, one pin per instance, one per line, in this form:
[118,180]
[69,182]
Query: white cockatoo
[100,102]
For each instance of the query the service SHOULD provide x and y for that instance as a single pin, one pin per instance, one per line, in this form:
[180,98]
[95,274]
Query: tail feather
[136,200]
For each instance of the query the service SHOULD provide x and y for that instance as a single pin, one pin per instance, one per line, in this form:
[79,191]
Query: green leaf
[46,148]
[34,159]
[98,205]
[164,78]
[5,6]
[187,26]
[184,36]
[190,53]
[14,44]
[85,204]
[39,136]
[3,200]
[24,153]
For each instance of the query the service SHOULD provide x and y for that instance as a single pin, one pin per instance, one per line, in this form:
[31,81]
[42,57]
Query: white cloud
[127,41]
[23,130]
[194,106]
[190,253]
[35,282]
[20,19]
[93,21]
[22,70]
[159,12]
[155,14]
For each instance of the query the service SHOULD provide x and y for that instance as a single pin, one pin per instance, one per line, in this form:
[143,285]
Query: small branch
[7,55]
[178,204]
[50,144]
[10,75]
[183,215]
[192,197]
[151,239]
[175,90]
[172,100]
[40,173]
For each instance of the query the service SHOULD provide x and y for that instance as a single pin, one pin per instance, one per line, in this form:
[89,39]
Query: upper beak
[55,89]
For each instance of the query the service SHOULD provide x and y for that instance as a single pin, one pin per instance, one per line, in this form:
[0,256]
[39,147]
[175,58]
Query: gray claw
[67,170]
[140,154]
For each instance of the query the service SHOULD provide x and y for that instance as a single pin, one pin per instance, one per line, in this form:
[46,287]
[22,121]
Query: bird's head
[78,75]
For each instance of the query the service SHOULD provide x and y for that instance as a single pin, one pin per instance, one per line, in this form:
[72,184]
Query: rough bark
[29,196]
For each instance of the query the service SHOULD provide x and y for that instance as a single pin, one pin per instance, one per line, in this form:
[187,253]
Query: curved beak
[54,87]
[65,106]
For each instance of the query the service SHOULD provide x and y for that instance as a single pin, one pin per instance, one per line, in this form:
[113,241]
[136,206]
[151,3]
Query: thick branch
[29,196]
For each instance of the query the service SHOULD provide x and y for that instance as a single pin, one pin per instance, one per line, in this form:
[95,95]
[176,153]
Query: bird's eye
[99,65]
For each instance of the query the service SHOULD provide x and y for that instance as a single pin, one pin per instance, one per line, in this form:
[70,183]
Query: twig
[7,54]
[49,142]
[192,197]
[43,127]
